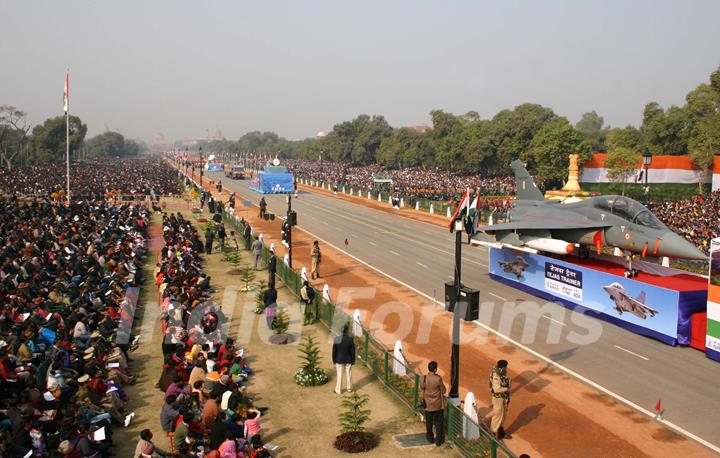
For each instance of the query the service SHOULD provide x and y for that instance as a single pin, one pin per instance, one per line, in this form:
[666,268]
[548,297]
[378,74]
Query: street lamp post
[289,229]
[647,160]
[454,394]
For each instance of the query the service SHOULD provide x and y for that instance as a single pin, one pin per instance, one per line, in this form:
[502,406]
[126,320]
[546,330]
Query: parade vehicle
[537,225]
[235,172]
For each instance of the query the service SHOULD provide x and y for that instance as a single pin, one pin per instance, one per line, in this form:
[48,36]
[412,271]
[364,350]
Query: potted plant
[354,437]
[310,374]
[280,327]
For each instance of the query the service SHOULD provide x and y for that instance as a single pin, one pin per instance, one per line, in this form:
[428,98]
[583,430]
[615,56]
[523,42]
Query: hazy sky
[298,67]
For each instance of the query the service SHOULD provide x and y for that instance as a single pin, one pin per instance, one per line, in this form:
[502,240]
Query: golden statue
[571,192]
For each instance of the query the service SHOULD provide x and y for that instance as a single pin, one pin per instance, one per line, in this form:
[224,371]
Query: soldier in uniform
[500,390]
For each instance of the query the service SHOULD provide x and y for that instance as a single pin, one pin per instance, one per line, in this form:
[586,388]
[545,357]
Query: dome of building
[320,134]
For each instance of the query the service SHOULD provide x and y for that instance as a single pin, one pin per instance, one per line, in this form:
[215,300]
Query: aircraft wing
[644,308]
[538,224]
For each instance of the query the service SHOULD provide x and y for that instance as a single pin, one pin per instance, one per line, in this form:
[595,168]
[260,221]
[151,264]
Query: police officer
[500,390]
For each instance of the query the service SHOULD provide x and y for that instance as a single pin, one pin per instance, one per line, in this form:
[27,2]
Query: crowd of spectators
[696,218]
[206,406]
[93,177]
[66,302]
[433,183]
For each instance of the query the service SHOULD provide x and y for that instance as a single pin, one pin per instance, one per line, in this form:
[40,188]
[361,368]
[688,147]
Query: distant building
[422,128]
[159,144]
[320,134]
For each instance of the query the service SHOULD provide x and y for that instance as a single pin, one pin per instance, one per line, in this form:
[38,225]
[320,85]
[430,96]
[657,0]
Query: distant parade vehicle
[538,225]
[235,172]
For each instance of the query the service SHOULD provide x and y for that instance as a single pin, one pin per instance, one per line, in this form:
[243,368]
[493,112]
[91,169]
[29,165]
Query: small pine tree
[310,374]
[259,300]
[282,321]
[247,275]
[355,416]
[310,354]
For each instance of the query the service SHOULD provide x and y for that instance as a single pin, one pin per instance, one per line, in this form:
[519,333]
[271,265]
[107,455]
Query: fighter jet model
[625,303]
[516,267]
[538,225]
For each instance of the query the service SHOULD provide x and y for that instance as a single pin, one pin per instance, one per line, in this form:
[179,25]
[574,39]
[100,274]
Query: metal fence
[469,438]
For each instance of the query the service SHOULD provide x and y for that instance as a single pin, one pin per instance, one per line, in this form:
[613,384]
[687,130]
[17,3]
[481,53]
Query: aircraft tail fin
[641,297]
[525,188]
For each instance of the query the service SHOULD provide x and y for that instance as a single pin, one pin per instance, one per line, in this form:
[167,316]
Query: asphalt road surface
[640,369]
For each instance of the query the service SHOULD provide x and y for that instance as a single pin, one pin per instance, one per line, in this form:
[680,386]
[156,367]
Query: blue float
[273,180]
[657,303]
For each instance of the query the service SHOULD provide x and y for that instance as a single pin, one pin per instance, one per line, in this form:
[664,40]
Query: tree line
[21,143]
[530,132]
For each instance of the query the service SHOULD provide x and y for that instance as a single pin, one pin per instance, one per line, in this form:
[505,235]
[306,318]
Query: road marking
[540,356]
[631,352]
[396,234]
[421,264]
[553,319]
[396,254]
[499,297]
[373,243]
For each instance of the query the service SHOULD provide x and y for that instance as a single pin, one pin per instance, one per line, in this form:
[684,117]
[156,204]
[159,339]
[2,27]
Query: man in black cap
[500,390]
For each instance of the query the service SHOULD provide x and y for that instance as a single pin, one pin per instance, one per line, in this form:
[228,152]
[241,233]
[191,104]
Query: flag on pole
[462,205]
[66,94]
[639,174]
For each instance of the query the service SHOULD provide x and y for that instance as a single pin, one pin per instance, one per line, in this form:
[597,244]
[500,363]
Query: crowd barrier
[437,207]
[470,438]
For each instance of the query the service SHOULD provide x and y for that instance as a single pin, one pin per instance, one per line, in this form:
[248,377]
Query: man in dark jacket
[263,207]
[343,356]
[209,237]
[247,233]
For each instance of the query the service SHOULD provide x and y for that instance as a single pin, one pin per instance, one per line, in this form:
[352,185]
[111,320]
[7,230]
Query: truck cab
[236,172]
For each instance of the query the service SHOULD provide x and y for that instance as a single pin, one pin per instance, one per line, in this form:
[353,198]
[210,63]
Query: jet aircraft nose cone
[675,246]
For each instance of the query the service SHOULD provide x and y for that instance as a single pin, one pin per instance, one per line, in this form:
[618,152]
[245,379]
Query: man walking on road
[433,395]
[316,258]
[343,356]
[263,207]
[257,253]
[500,390]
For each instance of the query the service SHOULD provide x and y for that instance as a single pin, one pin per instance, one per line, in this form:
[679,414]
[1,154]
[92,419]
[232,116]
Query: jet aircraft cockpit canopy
[628,209]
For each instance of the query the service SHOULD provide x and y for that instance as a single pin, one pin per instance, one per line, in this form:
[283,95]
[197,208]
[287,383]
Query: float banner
[273,183]
[564,281]
[712,339]
[643,308]
[213,167]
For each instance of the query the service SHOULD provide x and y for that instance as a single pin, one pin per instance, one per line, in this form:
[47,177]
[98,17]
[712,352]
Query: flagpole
[67,134]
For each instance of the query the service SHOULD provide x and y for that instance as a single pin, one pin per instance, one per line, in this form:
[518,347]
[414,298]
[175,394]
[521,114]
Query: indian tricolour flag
[712,342]
[66,94]
[461,209]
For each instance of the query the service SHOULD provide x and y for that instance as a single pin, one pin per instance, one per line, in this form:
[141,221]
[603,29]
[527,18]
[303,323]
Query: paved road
[637,368]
